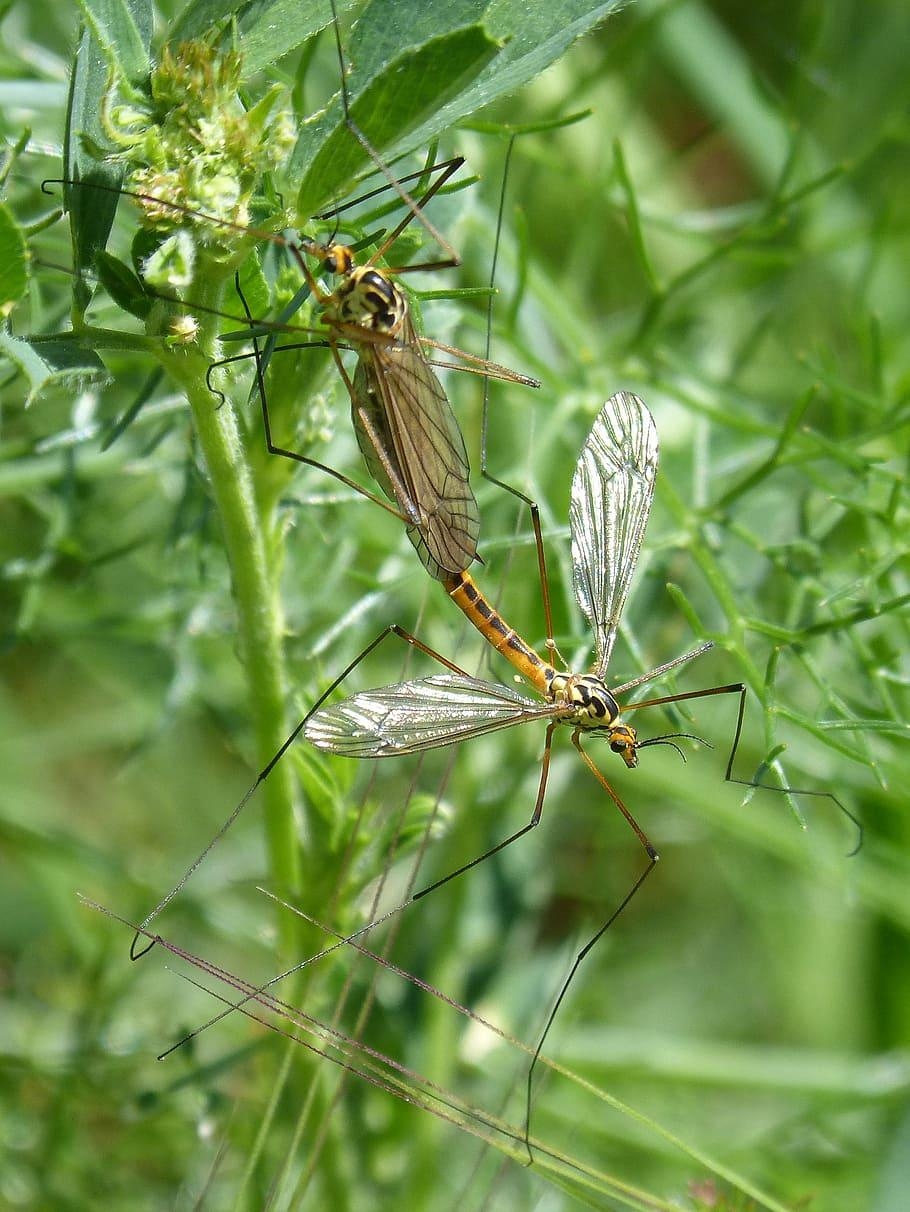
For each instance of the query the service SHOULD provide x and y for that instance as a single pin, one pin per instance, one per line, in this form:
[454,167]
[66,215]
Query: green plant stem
[260,618]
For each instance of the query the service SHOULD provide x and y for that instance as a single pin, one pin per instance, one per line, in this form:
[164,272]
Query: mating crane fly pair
[612,492]
[414,450]
[413,447]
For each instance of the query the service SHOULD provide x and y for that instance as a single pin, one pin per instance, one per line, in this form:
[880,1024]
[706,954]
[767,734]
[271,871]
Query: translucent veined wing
[414,450]
[611,499]
[426,713]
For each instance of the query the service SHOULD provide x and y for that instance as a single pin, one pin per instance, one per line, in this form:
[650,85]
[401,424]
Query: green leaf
[13,262]
[92,210]
[265,31]
[121,29]
[254,286]
[122,285]
[535,34]
[283,26]
[171,266]
[201,16]
[60,366]
[407,91]
[387,45]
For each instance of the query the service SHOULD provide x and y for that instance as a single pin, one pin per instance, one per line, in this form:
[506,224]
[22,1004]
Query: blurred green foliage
[725,235]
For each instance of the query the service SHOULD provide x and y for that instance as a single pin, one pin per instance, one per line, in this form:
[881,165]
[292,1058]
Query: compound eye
[622,741]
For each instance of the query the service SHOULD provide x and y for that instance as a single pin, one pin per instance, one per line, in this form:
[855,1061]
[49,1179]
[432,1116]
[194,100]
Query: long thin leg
[729,777]
[485,368]
[293,454]
[372,154]
[485,414]
[589,945]
[653,857]
[392,629]
[445,170]
[415,211]
[533,509]
[393,912]
[420,174]
[532,823]
[248,357]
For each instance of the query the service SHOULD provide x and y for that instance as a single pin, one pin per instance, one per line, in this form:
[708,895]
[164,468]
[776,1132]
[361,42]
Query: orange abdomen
[494,629]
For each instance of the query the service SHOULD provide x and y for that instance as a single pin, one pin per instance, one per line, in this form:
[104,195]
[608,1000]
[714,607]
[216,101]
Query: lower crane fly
[611,497]
[612,490]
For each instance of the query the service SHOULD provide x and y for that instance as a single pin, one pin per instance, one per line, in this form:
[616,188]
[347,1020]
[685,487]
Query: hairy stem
[260,617]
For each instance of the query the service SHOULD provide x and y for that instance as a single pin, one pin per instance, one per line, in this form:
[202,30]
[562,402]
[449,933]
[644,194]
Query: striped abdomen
[496,631]
[583,700]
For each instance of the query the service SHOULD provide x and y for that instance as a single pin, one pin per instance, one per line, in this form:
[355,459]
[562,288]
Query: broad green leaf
[266,31]
[402,100]
[91,210]
[13,262]
[254,286]
[200,16]
[267,34]
[534,34]
[401,97]
[121,29]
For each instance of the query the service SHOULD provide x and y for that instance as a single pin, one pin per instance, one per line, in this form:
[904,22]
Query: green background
[726,235]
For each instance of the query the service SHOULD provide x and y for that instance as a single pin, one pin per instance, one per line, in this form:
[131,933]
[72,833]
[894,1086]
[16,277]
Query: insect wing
[414,449]
[423,714]
[611,499]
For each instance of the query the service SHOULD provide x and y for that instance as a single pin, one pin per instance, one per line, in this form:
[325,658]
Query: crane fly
[612,491]
[611,497]
[403,421]
[402,417]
